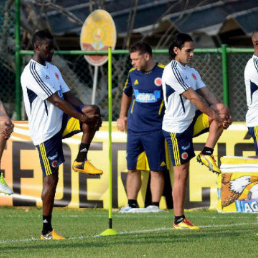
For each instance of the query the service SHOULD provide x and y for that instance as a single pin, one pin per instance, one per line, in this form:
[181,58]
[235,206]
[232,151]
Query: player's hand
[215,116]
[121,123]
[227,121]
[222,111]
[7,129]
[91,119]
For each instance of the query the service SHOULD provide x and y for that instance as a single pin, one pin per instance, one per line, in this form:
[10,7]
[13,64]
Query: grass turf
[139,235]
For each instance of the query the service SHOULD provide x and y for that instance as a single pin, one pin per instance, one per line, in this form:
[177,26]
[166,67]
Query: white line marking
[128,232]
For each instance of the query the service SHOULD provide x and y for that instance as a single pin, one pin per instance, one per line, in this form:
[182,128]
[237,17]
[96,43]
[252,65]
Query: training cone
[109,232]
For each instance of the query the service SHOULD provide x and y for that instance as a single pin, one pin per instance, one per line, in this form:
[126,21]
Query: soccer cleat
[52,236]
[185,224]
[208,161]
[4,188]
[86,167]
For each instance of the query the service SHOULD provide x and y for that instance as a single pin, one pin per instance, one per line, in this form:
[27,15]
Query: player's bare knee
[91,109]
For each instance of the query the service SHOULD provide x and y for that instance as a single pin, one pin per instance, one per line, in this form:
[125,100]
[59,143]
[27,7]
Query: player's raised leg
[82,164]
[215,130]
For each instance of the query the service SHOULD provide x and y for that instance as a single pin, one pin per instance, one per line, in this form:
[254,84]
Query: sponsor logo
[54,163]
[184,155]
[57,76]
[163,164]
[158,81]
[53,157]
[47,77]
[186,147]
[249,206]
[84,150]
[194,76]
[136,82]
[147,97]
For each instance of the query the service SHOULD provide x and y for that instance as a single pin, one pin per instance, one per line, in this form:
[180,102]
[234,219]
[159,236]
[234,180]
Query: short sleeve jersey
[147,107]
[179,112]
[39,82]
[251,86]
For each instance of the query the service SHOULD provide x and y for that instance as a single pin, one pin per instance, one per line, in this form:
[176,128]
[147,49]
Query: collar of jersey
[150,70]
[45,66]
[180,65]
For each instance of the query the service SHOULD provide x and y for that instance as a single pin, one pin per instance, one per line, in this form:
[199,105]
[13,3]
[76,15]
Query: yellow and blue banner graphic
[23,174]
[238,184]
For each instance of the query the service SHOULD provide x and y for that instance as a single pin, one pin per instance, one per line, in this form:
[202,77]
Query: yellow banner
[238,185]
[23,173]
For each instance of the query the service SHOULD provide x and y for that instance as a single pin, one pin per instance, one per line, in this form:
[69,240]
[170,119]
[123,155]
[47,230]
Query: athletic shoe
[128,209]
[153,208]
[86,167]
[52,236]
[185,224]
[4,188]
[208,161]
[125,209]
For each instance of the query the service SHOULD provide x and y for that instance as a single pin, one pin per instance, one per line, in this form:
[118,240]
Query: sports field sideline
[139,235]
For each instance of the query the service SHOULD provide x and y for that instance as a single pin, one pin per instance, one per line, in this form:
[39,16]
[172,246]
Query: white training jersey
[251,86]
[179,112]
[39,82]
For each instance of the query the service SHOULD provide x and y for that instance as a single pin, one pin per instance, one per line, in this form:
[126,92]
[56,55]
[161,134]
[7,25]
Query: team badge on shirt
[158,81]
[57,76]
[54,163]
[184,155]
[194,76]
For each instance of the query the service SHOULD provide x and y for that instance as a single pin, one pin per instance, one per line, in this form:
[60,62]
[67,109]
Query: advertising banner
[23,174]
[238,185]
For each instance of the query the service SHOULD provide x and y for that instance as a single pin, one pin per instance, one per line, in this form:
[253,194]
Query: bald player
[251,86]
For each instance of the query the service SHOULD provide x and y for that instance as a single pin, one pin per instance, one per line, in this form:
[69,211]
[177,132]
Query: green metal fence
[222,70]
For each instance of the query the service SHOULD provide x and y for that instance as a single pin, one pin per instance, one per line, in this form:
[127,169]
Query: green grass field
[139,235]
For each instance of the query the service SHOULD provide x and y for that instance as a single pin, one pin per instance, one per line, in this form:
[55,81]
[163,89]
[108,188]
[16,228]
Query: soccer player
[6,128]
[191,109]
[53,114]
[251,86]
[141,113]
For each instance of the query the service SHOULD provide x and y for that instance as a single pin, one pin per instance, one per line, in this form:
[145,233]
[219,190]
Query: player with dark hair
[6,128]
[251,85]
[141,113]
[191,109]
[53,114]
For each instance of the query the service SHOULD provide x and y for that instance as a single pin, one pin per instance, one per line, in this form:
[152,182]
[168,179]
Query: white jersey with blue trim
[251,86]
[39,82]
[179,112]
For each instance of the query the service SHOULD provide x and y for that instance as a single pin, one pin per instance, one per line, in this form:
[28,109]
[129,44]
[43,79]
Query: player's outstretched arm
[201,105]
[221,109]
[69,97]
[68,108]
[209,97]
